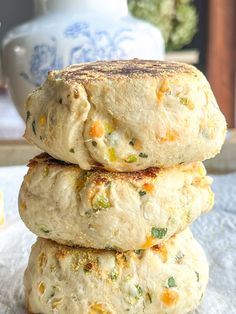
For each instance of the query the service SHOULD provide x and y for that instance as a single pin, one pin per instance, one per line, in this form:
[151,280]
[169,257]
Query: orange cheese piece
[169,297]
[148,187]
[163,89]
[98,309]
[97,129]
[171,136]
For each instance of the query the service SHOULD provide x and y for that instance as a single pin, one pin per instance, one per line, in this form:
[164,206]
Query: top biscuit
[126,115]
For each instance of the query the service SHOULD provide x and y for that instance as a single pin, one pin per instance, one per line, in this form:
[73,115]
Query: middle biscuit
[100,209]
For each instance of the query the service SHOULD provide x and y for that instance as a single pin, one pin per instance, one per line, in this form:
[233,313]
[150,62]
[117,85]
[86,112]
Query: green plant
[176,19]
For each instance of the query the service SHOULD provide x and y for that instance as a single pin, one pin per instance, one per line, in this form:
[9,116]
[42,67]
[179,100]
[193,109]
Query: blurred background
[199,32]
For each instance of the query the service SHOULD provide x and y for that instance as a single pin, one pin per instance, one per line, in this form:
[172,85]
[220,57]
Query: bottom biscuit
[167,279]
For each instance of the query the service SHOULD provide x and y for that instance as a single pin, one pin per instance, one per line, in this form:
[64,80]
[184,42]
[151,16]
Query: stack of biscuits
[120,182]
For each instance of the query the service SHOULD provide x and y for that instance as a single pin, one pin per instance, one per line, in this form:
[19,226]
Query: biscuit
[126,115]
[100,209]
[168,279]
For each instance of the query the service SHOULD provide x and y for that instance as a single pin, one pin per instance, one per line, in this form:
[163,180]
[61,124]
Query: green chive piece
[33,127]
[94,143]
[101,203]
[132,158]
[72,150]
[139,290]
[143,155]
[184,101]
[138,252]
[171,283]
[114,274]
[88,212]
[44,229]
[52,294]
[132,142]
[149,297]
[142,193]
[158,233]
[197,274]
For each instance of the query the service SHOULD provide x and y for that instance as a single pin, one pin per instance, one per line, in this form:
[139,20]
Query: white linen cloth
[216,232]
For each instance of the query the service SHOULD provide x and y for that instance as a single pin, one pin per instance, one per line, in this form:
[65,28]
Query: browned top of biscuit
[122,69]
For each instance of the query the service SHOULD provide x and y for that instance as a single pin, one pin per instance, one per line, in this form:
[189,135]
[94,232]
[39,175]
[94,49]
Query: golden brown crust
[99,175]
[121,69]
[47,160]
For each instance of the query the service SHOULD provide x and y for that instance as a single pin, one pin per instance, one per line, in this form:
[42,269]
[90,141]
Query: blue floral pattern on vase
[89,46]
[44,59]
[97,45]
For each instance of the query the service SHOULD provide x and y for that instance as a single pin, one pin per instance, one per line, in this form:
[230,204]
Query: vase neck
[117,7]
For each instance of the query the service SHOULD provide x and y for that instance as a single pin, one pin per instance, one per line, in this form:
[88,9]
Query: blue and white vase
[64,32]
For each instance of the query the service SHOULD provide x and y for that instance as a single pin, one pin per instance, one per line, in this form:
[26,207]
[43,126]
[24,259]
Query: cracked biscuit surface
[101,209]
[126,115]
